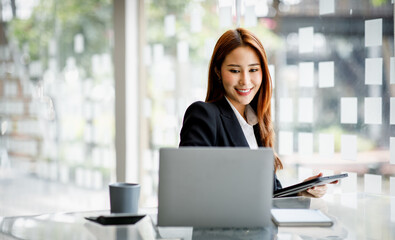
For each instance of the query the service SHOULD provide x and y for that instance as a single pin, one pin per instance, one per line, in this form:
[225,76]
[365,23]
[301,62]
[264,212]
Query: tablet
[294,189]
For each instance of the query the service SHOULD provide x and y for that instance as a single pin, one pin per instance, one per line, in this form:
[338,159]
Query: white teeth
[243,91]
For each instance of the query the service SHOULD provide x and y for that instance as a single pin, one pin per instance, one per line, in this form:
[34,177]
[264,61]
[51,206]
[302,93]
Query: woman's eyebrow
[236,65]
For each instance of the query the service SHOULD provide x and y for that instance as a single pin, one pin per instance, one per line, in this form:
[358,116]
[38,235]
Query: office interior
[91,90]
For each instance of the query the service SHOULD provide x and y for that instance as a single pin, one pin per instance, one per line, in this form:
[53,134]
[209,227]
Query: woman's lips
[243,92]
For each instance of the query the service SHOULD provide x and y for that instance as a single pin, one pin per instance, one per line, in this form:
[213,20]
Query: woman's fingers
[317,191]
[312,177]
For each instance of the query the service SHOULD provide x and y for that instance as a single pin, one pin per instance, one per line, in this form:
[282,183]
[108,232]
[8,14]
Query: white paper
[225,17]
[392,70]
[286,143]
[327,6]
[305,143]
[350,183]
[272,74]
[306,40]
[298,217]
[372,183]
[373,71]
[286,110]
[326,145]
[392,186]
[373,32]
[306,74]
[326,74]
[373,108]
[182,52]
[392,111]
[392,150]
[250,16]
[170,25]
[349,108]
[305,110]
[349,147]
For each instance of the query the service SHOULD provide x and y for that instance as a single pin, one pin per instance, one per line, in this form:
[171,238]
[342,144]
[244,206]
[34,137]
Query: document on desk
[300,218]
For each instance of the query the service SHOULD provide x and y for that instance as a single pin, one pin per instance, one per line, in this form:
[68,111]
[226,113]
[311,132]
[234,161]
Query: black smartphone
[116,219]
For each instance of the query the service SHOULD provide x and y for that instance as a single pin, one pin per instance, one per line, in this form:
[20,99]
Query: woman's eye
[254,70]
[234,71]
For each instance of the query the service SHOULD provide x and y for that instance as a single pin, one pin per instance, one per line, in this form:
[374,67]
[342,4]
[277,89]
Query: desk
[356,216]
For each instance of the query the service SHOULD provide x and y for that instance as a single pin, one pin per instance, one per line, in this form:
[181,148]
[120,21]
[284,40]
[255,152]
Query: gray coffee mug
[124,197]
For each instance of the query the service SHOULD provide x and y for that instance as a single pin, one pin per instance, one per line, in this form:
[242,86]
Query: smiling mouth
[243,92]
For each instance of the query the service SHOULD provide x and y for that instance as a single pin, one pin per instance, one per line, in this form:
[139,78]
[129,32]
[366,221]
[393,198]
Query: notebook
[300,218]
[215,187]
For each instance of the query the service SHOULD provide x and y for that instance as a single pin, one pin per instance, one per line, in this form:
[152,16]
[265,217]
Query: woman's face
[241,75]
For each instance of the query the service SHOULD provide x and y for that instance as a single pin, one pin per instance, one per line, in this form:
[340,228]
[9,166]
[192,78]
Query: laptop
[215,187]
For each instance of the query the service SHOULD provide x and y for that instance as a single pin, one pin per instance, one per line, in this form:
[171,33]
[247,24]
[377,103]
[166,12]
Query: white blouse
[247,126]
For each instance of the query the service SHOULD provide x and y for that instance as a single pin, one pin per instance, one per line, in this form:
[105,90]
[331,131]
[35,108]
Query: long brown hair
[261,102]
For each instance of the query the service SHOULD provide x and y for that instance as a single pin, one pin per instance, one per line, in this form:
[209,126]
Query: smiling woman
[237,111]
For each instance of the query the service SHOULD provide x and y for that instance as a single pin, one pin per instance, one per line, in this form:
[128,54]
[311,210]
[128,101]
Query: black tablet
[294,189]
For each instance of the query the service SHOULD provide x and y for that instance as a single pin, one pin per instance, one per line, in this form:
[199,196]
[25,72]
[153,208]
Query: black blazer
[215,124]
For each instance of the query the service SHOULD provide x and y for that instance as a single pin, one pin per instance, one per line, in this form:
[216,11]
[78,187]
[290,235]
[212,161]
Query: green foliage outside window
[60,21]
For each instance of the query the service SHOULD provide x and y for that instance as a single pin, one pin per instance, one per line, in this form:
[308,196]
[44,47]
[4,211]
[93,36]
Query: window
[332,63]
[57,98]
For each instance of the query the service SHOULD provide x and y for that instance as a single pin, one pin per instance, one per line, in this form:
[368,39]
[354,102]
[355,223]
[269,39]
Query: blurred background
[332,63]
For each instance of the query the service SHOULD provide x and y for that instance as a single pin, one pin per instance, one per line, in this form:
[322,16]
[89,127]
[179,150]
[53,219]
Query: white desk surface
[356,216]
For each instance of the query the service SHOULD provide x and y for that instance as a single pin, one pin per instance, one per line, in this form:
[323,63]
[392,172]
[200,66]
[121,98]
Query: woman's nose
[244,78]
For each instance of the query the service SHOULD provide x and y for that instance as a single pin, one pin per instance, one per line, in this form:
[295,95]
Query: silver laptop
[215,187]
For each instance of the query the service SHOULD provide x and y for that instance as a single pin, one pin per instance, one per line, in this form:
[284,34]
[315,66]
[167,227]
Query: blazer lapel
[231,124]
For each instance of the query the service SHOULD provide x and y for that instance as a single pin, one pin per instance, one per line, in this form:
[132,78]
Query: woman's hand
[317,191]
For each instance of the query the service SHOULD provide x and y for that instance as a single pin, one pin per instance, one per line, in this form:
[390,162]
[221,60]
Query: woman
[237,110]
